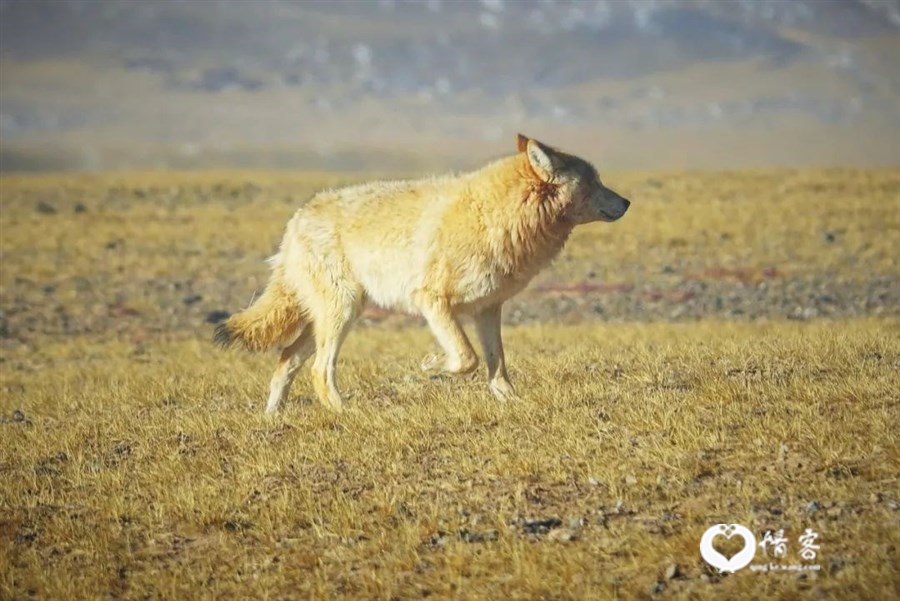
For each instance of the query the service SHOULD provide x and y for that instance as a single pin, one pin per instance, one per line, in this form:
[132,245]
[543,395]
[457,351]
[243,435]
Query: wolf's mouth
[616,216]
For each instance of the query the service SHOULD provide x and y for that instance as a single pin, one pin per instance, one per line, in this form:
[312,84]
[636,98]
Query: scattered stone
[45,208]
[237,525]
[840,472]
[121,310]
[541,525]
[439,539]
[192,299]
[80,208]
[217,316]
[630,480]
[49,466]
[782,453]
[563,535]
[835,564]
[478,537]
[875,497]
[26,535]
[17,417]
[672,572]
[659,587]
[813,507]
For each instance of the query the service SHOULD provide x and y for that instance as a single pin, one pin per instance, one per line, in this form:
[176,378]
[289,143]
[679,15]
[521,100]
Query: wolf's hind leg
[330,332]
[292,358]
[460,358]
[488,325]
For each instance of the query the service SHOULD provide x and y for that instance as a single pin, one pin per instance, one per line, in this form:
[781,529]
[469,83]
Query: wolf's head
[587,199]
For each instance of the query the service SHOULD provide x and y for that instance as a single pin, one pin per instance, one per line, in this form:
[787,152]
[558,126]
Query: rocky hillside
[394,84]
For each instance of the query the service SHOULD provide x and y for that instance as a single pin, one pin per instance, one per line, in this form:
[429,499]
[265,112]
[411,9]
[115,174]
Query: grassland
[726,353]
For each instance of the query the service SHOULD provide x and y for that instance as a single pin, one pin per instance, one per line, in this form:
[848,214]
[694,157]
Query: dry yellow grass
[733,219]
[141,464]
[158,474]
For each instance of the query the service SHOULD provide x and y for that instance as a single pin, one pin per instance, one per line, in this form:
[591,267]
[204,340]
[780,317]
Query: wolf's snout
[625,204]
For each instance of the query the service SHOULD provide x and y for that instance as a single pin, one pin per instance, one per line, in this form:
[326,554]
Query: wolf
[441,248]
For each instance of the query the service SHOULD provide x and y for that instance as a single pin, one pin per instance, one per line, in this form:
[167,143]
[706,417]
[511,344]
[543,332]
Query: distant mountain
[391,84]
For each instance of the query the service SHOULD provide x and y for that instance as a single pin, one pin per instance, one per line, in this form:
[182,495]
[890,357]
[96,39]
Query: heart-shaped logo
[725,564]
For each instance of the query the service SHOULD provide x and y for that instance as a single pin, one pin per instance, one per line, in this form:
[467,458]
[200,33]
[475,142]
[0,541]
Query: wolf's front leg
[488,325]
[459,356]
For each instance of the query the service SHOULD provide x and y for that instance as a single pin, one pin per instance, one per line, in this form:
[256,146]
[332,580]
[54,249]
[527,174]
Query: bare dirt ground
[726,353]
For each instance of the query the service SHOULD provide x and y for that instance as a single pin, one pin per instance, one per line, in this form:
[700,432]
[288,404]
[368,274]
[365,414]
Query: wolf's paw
[463,365]
[431,362]
[503,391]
[335,405]
[328,396]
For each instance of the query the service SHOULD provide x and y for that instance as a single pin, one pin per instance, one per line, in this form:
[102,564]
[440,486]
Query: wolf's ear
[542,159]
[521,142]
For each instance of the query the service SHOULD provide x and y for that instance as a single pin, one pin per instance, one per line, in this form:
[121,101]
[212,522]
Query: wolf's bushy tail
[272,319]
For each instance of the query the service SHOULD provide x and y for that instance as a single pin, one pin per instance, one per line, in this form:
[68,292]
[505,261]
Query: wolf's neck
[533,220]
